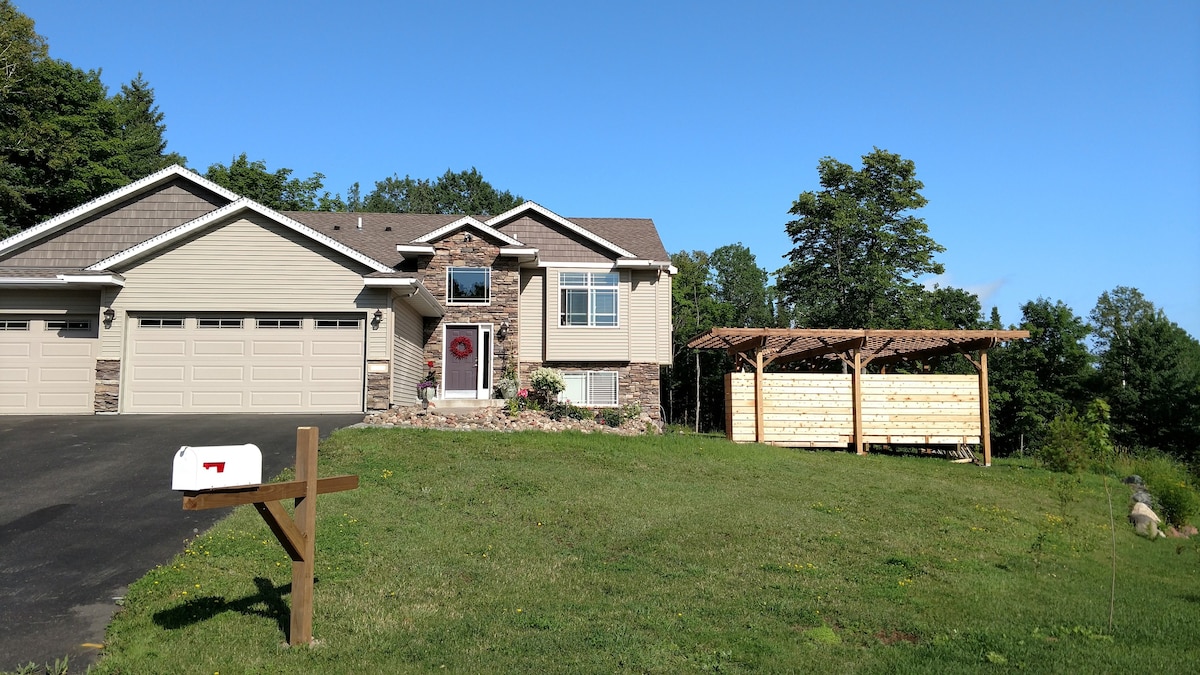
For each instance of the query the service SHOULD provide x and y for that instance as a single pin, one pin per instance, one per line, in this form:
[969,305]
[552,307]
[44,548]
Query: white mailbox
[216,466]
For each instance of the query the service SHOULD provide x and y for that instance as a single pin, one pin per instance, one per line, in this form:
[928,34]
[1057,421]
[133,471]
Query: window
[468,286]
[219,323]
[278,323]
[14,325]
[338,323]
[160,323]
[68,325]
[591,387]
[587,298]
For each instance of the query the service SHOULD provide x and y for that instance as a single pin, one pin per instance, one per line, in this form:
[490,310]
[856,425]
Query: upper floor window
[468,285]
[587,298]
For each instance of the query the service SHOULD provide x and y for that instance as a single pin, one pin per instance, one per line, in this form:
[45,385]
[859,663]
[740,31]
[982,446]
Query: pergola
[759,348]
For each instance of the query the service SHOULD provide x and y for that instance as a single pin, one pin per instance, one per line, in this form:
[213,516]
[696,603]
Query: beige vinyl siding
[248,265]
[26,301]
[645,327]
[120,227]
[576,343]
[531,313]
[408,359]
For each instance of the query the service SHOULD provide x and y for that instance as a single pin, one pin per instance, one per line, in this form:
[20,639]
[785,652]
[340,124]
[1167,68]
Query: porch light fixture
[502,332]
[378,316]
[110,314]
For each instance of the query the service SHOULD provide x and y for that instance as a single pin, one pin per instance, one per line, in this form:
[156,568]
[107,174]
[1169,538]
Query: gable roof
[242,204]
[554,217]
[68,218]
[465,221]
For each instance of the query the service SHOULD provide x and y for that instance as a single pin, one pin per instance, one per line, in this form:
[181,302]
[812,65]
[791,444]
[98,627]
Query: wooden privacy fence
[817,409]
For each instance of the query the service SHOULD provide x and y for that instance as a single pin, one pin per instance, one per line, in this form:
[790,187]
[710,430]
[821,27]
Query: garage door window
[219,323]
[278,323]
[160,323]
[338,323]
[14,325]
[68,325]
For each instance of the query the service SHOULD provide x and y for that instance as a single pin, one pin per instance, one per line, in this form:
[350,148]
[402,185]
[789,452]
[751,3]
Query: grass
[481,552]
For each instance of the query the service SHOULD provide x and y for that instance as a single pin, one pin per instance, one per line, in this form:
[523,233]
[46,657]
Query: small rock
[1133,480]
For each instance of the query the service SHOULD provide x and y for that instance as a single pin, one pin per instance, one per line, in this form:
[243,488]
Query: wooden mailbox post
[298,537]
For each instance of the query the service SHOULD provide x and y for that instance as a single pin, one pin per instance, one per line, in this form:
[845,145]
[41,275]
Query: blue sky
[1059,143]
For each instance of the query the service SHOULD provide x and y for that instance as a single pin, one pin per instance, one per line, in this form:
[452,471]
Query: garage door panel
[324,348]
[215,348]
[48,375]
[171,347]
[217,399]
[16,350]
[49,366]
[277,374]
[218,373]
[277,348]
[158,373]
[277,399]
[245,368]
[14,375]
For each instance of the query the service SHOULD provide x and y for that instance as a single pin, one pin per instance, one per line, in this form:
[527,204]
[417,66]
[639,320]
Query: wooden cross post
[298,537]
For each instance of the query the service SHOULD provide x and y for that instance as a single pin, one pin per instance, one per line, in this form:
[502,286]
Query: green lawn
[489,552]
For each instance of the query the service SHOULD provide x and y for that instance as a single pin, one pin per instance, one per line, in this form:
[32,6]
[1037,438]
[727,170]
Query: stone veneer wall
[379,386]
[456,251]
[636,382]
[108,385]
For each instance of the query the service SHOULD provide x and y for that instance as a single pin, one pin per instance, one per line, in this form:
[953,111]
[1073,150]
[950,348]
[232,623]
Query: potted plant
[427,387]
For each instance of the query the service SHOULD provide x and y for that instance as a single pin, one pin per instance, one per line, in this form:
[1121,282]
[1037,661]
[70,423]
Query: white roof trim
[515,251]
[417,295]
[467,221]
[111,279]
[534,206]
[414,250]
[104,201]
[577,265]
[648,264]
[242,204]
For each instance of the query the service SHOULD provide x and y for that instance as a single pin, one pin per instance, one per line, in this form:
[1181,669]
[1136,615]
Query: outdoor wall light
[109,314]
[503,330]
[378,315]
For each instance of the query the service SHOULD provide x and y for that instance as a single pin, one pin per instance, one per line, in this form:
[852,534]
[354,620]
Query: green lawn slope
[526,552]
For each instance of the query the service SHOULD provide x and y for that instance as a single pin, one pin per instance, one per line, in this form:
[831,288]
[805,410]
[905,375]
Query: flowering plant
[430,381]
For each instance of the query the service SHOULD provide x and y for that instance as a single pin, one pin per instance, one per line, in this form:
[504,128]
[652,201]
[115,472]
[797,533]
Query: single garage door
[241,363]
[47,364]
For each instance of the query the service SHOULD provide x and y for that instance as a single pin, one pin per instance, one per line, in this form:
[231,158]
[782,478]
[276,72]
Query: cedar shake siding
[555,242]
[119,227]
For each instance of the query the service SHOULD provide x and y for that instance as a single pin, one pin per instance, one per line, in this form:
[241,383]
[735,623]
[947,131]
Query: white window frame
[14,324]
[218,322]
[289,323]
[589,378]
[337,324]
[593,290]
[160,322]
[487,273]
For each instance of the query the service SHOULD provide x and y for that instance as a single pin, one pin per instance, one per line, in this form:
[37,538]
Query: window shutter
[602,388]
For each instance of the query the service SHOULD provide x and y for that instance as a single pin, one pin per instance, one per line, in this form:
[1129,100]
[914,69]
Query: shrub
[548,383]
[1074,442]
[1168,481]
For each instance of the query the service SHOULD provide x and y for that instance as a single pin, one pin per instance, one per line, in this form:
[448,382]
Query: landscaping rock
[1133,480]
[1145,521]
[1142,497]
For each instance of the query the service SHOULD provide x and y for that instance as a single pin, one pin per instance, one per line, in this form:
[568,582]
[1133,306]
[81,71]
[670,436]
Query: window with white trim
[219,323]
[9,324]
[590,387]
[468,285]
[278,323]
[68,325]
[160,323]
[588,298]
[338,323]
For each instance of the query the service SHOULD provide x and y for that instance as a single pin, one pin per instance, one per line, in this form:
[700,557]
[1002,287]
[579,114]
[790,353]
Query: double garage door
[243,363]
[47,364]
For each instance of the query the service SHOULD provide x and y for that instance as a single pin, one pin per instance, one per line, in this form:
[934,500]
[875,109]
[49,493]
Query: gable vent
[337,227]
[388,228]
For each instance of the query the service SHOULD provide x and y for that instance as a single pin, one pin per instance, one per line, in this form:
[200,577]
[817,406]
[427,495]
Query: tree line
[858,258]
[859,254]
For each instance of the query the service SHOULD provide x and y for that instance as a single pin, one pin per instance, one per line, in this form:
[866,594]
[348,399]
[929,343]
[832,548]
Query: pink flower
[523,393]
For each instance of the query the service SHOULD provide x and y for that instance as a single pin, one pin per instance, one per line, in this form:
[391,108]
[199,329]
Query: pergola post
[859,446]
[985,422]
[758,397]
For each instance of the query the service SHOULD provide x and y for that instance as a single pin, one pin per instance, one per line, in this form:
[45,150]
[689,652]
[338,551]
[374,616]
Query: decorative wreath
[461,347]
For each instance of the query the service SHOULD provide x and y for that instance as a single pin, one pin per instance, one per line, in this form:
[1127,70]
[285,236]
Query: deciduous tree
[858,249]
[275,189]
[464,192]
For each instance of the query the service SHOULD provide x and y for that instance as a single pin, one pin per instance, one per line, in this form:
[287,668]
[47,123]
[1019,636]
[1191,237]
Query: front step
[465,403]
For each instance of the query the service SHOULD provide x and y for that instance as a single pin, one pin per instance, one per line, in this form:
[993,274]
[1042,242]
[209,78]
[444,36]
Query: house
[174,294]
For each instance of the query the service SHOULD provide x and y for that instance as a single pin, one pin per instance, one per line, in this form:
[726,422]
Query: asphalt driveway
[86,508]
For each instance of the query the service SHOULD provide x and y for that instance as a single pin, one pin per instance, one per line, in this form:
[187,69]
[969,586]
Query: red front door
[462,361]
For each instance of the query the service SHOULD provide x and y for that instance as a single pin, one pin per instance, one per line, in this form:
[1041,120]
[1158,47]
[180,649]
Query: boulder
[1145,521]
